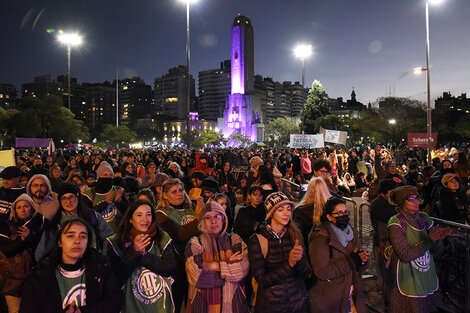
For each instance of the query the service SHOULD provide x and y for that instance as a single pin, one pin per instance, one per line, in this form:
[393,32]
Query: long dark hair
[125,226]
[65,226]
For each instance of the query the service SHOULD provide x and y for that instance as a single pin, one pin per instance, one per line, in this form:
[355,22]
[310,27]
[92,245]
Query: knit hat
[210,184]
[400,194]
[10,172]
[103,168]
[256,161]
[68,188]
[160,178]
[274,201]
[22,197]
[447,178]
[208,207]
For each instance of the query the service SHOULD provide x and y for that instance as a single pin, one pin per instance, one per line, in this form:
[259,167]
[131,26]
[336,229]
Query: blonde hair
[167,185]
[317,194]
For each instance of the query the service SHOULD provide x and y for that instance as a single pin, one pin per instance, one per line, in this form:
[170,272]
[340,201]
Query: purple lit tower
[239,118]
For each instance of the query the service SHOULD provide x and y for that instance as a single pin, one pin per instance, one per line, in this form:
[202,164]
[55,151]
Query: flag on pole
[51,148]
[334,136]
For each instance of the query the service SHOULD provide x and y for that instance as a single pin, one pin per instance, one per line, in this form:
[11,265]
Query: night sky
[370,44]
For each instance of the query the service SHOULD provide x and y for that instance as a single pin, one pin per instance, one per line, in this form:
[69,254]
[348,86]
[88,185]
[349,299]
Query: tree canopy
[315,107]
[116,136]
[278,131]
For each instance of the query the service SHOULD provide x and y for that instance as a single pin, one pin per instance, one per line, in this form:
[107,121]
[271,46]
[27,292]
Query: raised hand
[295,253]
[141,241]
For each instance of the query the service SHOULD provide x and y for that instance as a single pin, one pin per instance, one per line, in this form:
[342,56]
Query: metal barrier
[452,258]
[361,209]
[355,213]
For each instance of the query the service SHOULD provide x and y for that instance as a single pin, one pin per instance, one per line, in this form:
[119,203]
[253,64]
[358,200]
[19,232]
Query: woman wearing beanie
[337,260]
[25,227]
[414,283]
[216,265]
[71,205]
[278,260]
[142,256]
[107,199]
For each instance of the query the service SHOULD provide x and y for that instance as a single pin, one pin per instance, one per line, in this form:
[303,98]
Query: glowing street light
[188,80]
[428,81]
[392,121]
[302,52]
[70,40]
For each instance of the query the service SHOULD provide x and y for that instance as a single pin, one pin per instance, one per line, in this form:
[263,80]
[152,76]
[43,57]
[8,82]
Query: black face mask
[342,221]
[104,184]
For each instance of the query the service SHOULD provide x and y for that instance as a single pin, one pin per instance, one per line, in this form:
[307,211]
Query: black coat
[41,291]
[281,288]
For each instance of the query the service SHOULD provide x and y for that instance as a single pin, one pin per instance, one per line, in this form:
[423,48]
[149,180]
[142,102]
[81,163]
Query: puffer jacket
[281,288]
[335,272]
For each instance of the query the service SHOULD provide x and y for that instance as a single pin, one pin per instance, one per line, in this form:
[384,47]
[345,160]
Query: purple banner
[32,142]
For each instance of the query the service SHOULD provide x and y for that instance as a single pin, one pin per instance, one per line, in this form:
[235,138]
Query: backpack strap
[263,243]
[402,220]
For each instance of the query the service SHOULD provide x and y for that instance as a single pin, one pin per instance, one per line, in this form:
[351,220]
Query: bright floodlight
[418,70]
[70,39]
[303,51]
[190,1]
[435,1]
[392,121]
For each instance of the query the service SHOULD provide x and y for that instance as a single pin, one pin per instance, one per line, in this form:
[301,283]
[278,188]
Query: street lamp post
[428,88]
[69,40]
[188,80]
[302,52]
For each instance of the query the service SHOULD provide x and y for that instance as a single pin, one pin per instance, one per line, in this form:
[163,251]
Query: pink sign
[419,140]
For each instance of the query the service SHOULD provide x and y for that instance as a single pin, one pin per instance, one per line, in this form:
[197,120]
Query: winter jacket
[281,287]
[335,272]
[41,291]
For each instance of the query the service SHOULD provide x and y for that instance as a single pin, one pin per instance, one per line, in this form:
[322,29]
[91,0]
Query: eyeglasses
[413,198]
[324,171]
[70,199]
[217,217]
[341,213]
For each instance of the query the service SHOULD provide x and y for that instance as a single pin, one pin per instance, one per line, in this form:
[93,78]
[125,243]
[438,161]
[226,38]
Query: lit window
[171,100]
[124,87]
[1,95]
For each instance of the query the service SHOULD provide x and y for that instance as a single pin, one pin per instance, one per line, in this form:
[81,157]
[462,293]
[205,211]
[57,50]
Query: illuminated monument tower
[239,118]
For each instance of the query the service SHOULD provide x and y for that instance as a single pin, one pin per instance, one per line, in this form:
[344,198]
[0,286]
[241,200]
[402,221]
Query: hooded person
[26,226]
[107,199]
[216,265]
[202,165]
[39,189]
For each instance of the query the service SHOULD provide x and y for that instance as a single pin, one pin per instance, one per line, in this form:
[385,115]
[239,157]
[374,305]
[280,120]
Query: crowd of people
[222,230]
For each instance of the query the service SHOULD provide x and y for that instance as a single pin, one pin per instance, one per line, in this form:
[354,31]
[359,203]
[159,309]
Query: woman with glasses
[71,206]
[337,259]
[216,265]
[414,284]
[75,278]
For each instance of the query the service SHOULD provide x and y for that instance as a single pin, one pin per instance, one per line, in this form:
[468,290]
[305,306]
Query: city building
[214,89]
[173,130]
[170,93]
[455,104]
[8,96]
[101,108]
[351,108]
[135,101]
[44,86]
[242,115]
